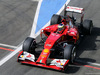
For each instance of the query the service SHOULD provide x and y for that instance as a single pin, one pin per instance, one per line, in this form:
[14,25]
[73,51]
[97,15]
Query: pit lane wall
[45,10]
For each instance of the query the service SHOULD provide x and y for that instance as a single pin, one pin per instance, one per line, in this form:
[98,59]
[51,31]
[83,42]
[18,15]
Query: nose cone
[53,37]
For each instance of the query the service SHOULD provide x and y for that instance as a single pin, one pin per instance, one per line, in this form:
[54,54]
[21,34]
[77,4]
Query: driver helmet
[61,27]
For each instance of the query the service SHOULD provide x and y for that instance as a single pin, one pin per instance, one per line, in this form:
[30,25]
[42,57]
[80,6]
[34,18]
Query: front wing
[28,58]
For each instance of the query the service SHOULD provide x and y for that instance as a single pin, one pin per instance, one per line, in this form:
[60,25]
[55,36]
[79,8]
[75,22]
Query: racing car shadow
[88,43]
[88,47]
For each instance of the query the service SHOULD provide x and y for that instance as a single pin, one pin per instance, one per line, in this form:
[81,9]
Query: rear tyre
[29,45]
[70,53]
[87,27]
[56,19]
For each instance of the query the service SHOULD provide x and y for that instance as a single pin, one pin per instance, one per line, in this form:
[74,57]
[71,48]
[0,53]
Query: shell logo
[22,56]
[46,50]
[43,55]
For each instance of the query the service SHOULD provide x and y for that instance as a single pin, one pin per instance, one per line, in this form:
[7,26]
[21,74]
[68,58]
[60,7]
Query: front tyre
[29,45]
[73,54]
[70,53]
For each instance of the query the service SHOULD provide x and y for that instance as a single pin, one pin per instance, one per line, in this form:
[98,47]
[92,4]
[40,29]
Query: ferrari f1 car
[59,49]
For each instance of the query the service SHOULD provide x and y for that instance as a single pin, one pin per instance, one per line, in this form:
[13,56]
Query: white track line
[35,20]
[89,63]
[10,55]
[92,73]
[2,61]
[63,7]
[6,58]
[5,45]
[35,35]
[95,64]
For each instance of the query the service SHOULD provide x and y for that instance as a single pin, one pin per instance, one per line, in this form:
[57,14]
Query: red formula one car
[63,35]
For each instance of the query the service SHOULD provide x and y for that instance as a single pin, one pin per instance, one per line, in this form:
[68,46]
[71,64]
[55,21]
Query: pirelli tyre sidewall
[56,19]
[87,27]
[29,45]
[70,53]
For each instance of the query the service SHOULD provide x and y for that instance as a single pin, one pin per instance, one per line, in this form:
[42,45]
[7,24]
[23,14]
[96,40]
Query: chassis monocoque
[59,48]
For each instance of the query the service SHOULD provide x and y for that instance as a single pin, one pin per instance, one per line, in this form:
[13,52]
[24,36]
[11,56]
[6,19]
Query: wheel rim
[90,29]
[73,54]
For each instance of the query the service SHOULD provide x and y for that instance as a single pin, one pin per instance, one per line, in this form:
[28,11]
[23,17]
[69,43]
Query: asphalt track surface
[16,19]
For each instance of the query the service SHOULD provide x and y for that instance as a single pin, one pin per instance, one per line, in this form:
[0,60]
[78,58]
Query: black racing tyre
[70,53]
[56,19]
[29,45]
[87,27]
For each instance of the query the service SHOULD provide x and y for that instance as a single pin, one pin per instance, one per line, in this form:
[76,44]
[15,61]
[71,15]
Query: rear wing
[74,9]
